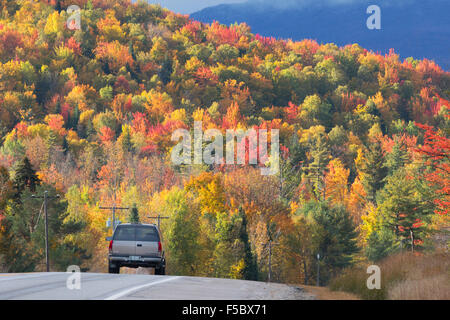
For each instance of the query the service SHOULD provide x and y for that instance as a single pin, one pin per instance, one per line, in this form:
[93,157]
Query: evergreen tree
[250,271]
[334,237]
[166,70]
[397,158]
[131,50]
[23,243]
[404,211]
[25,177]
[126,140]
[58,6]
[14,256]
[51,141]
[65,146]
[72,121]
[316,169]
[134,215]
[380,244]
[374,170]
[6,189]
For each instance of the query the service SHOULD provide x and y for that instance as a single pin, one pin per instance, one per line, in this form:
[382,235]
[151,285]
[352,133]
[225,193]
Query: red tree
[436,151]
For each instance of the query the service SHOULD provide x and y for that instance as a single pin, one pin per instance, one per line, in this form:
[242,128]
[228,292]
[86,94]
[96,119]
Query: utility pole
[159,217]
[270,260]
[114,208]
[47,254]
[318,270]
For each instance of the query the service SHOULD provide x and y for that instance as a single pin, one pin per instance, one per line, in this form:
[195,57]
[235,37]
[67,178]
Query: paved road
[96,286]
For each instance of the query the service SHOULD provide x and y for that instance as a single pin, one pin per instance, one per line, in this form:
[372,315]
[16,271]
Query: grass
[324,293]
[405,276]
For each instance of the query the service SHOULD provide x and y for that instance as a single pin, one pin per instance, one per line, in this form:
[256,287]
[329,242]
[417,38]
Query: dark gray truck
[136,245]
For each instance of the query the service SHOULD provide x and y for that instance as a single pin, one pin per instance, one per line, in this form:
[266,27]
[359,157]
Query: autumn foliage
[363,137]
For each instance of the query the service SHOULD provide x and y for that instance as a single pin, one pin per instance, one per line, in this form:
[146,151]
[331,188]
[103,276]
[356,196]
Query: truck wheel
[113,269]
[160,271]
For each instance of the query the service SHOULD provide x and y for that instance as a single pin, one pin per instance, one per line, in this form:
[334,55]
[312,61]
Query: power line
[159,217]
[114,208]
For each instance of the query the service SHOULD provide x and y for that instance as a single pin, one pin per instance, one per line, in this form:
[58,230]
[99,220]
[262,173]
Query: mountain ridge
[419,29]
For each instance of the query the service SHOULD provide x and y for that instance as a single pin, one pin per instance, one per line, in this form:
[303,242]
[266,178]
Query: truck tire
[113,269]
[161,270]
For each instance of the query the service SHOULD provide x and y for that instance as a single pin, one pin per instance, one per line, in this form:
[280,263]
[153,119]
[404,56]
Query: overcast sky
[190,6]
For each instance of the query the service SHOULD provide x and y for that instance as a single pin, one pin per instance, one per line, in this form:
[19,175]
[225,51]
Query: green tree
[126,139]
[166,70]
[374,170]
[226,53]
[338,136]
[25,177]
[134,215]
[24,244]
[6,189]
[398,157]
[316,112]
[405,208]
[181,234]
[333,236]
[380,244]
[250,271]
[320,156]
[224,255]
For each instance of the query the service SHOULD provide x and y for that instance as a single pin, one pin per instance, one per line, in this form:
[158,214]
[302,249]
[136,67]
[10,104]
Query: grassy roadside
[324,293]
[407,276]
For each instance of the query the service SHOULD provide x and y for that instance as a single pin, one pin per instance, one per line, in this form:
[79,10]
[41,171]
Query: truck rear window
[136,233]
[146,234]
[125,233]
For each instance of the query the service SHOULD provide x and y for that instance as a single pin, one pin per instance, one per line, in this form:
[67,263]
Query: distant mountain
[416,28]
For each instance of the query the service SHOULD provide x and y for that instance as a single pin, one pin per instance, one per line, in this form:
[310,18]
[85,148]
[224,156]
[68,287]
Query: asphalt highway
[97,286]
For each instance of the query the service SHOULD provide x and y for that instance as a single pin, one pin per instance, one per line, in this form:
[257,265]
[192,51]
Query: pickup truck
[136,245]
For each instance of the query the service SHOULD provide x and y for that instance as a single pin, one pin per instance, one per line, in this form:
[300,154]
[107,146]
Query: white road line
[133,289]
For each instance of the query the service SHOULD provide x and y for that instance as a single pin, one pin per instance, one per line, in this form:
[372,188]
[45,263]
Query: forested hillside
[89,114]
[413,27]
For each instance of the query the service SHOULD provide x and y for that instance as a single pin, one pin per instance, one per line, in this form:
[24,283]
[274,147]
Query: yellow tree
[336,182]
[158,105]
[209,191]
[355,201]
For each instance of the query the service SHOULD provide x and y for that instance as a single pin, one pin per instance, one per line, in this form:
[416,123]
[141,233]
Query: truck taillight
[110,245]
[159,246]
